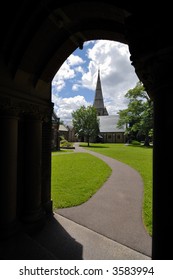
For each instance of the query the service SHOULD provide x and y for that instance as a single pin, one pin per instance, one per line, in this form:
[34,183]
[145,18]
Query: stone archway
[36,38]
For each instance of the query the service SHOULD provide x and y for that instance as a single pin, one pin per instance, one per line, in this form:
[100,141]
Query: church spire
[98,100]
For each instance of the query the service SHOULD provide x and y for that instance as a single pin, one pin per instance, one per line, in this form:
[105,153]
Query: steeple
[98,100]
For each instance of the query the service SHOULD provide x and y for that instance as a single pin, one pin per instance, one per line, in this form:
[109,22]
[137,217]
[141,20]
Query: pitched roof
[55,118]
[62,128]
[109,124]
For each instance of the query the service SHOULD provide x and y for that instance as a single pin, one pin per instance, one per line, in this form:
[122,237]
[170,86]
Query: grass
[62,151]
[140,158]
[76,177]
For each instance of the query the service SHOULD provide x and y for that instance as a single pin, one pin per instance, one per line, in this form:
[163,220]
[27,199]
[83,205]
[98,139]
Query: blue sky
[75,83]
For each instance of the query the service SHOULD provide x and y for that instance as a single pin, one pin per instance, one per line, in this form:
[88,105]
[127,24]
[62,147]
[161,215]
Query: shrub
[64,143]
[135,142]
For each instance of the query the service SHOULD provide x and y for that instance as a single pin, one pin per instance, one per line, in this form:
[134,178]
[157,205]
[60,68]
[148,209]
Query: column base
[48,207]
[9,230]
[33,222]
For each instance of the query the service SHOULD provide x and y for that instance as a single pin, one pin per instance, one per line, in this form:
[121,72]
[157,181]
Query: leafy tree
[85,122]
[138,117]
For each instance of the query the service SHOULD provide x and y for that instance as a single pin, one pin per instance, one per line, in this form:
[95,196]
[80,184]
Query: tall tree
[138,117]
[85,122]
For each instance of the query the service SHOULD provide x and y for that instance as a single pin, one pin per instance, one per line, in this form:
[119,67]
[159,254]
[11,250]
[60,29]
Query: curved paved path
[115,211]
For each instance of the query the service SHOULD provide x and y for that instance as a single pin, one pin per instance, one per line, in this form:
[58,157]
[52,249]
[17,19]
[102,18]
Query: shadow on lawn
[141,146]
[93,146]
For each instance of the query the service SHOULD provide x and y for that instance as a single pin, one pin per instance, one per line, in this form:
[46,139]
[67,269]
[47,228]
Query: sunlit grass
[76,177]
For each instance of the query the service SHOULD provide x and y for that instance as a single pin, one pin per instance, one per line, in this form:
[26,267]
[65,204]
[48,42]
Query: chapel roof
[109,124]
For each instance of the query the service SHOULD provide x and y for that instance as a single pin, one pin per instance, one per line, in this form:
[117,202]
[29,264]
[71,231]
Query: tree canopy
[85,122]
[138,117]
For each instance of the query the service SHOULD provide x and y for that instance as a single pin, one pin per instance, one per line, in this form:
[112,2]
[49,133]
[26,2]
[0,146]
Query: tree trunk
[88,141]
[147,141]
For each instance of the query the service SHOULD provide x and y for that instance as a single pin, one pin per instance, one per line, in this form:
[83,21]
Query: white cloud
[66,71]
[117,73]
[74,60]
[117,76]
[79,69]
[59,84]
[75,87]
[65,106]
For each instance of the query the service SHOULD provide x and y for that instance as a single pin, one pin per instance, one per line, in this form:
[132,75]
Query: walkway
[115,211]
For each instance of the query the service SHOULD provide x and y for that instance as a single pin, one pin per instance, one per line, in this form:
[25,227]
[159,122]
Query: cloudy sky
[75,83]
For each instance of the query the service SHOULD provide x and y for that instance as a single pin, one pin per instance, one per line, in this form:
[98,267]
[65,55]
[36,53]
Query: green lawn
[76,177]
[140,158]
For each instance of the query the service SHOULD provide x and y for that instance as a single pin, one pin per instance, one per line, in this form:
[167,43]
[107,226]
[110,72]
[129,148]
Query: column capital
[14,107]
[7,108]
[36,111]
[151,50]
[154,69]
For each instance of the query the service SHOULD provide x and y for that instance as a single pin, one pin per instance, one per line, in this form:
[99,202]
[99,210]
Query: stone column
[46,167]
[158,81]
[162,175]
[32,214]
[152,57]
[161,86]
[8,173]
